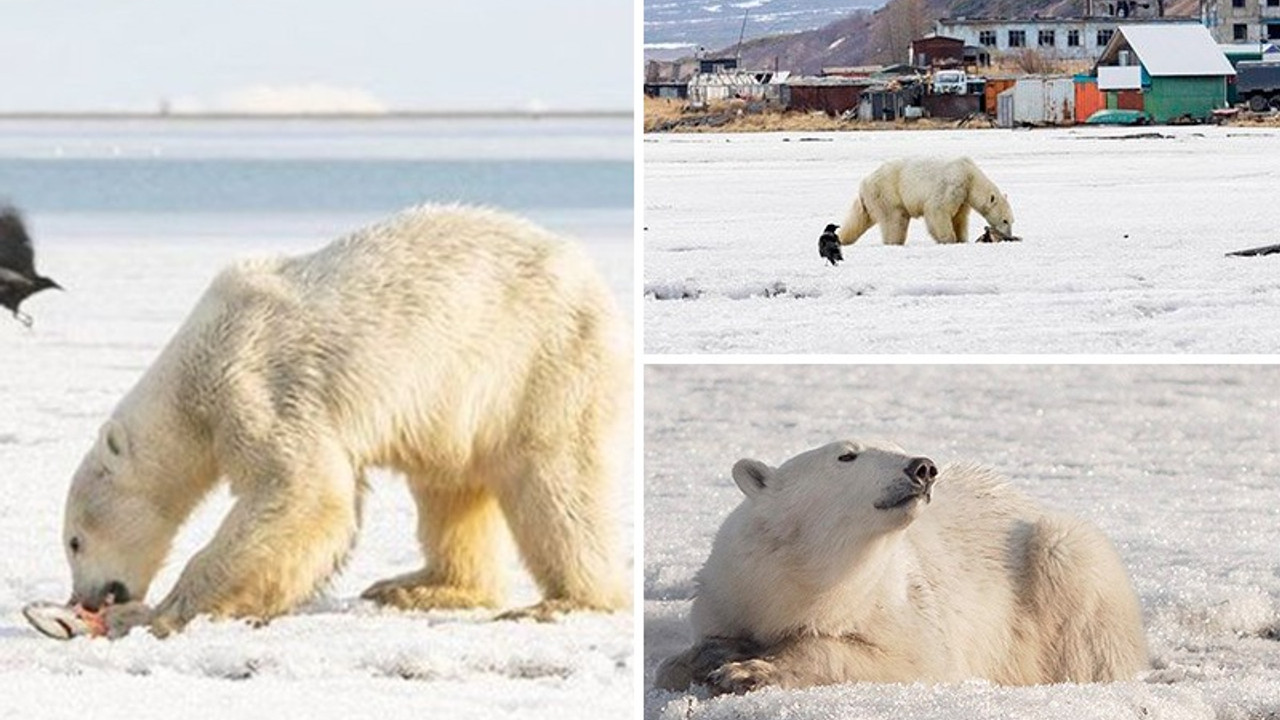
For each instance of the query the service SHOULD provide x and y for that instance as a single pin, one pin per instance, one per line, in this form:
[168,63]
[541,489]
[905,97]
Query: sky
[72,55]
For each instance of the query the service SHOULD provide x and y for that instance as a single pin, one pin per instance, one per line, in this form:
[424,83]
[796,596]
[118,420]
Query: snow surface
[131,280]
[1122,253]
[1176,464]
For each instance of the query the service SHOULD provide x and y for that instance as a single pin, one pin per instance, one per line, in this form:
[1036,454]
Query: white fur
[809,583]
[939,190]
[474,352]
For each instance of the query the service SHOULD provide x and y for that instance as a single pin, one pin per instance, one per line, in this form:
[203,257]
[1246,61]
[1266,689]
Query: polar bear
[474,352]
[941,191]
[857,562]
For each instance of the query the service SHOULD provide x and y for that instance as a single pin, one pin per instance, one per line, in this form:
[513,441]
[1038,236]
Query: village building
[1243,21]
[1169,71]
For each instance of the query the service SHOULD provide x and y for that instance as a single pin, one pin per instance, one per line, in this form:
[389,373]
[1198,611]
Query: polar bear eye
[74,544]
[848,457]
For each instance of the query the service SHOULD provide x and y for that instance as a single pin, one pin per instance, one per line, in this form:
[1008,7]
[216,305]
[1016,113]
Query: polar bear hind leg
[893,227]
[1079,594]
[458,529]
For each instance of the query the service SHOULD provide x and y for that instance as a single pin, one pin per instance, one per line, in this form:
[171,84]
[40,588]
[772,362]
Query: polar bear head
[116,531]
[828,505]
[998,213]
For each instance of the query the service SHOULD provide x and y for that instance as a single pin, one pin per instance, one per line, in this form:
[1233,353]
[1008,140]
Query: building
[1243,21]
[1174,71]
[1060,38]
[834,95]
[706,88]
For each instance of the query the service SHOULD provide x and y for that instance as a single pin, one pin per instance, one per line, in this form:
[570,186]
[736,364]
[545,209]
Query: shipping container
[1089,99]
[995,86]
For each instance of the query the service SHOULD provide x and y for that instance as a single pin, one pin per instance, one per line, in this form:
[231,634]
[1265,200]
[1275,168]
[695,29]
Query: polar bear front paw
[743,677]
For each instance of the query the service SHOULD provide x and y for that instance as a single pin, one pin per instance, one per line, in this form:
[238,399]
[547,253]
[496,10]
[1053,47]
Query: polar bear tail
[1079,600]
[857,222]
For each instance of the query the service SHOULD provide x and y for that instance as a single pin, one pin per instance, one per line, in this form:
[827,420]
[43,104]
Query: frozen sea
[1124,232]
[1175,463]
[134,219]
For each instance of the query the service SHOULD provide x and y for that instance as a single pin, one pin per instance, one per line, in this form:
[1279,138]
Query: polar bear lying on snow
[479,355]
[857,562]
[940,191]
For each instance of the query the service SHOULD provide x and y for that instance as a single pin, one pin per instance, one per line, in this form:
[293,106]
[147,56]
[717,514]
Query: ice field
[1124,232]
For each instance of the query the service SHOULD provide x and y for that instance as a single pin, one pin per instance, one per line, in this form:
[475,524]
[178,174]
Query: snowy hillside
[1176,464]
[130,281]
[1124,233]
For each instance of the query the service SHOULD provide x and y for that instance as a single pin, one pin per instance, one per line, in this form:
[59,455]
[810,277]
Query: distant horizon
[460,113]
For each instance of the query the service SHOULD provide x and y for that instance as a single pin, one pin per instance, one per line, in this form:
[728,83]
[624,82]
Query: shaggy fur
[940,191]
[818,577]
[471,351]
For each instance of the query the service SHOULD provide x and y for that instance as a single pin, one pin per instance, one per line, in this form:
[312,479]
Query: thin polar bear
[479,355]
[858,562]
[939,190]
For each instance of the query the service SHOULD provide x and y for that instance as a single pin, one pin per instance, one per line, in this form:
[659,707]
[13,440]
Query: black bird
[18,278]
[829,245]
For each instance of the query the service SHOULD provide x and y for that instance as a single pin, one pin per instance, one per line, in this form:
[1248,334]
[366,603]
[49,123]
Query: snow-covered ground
[1122,253]
[1177,464]
[130,281]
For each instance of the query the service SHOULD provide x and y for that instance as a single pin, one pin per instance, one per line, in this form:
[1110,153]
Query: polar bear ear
[114,441]
[752,476]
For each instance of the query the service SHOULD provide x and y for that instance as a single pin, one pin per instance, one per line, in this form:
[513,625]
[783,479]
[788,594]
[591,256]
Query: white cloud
[286,99]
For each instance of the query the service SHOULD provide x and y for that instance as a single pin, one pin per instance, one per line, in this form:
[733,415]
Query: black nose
[922,470]
[112,593]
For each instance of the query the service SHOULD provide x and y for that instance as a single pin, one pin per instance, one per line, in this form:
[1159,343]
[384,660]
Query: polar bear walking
[940,191]
[477,354]
[857,562]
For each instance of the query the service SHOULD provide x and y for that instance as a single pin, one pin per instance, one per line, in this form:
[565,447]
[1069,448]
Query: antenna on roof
[741,33]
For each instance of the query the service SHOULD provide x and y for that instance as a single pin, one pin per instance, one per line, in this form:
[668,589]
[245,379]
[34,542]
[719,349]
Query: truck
[1258,84]
[949,81]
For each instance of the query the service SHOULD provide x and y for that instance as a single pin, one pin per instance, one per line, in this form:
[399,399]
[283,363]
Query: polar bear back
[425,339]
[917,183]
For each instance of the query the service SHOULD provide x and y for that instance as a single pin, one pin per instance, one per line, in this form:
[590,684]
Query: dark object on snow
[829,245]
[18,278]
[1250,252]
[990,234]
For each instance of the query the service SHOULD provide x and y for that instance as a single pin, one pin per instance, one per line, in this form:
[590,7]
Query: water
[274,166]
[207,191]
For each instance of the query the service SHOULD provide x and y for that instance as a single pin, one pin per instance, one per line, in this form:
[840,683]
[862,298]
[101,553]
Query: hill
[884,35]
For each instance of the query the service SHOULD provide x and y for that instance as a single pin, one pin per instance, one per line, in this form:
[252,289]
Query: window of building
[1239,32]
[1273,32]
[1046,38]
[1104,37]
[1237,3]
[1273,3]
[987,38]
[1073,38]
[1017,38]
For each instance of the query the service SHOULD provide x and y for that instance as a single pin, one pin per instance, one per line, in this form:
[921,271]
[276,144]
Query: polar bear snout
[923,473]
[922,470]
[112,593]
[916,482]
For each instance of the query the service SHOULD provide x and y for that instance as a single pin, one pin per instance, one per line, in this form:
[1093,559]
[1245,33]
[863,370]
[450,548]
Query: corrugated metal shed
[1170,50]
[1041,101]
[711,87]
[832,95]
